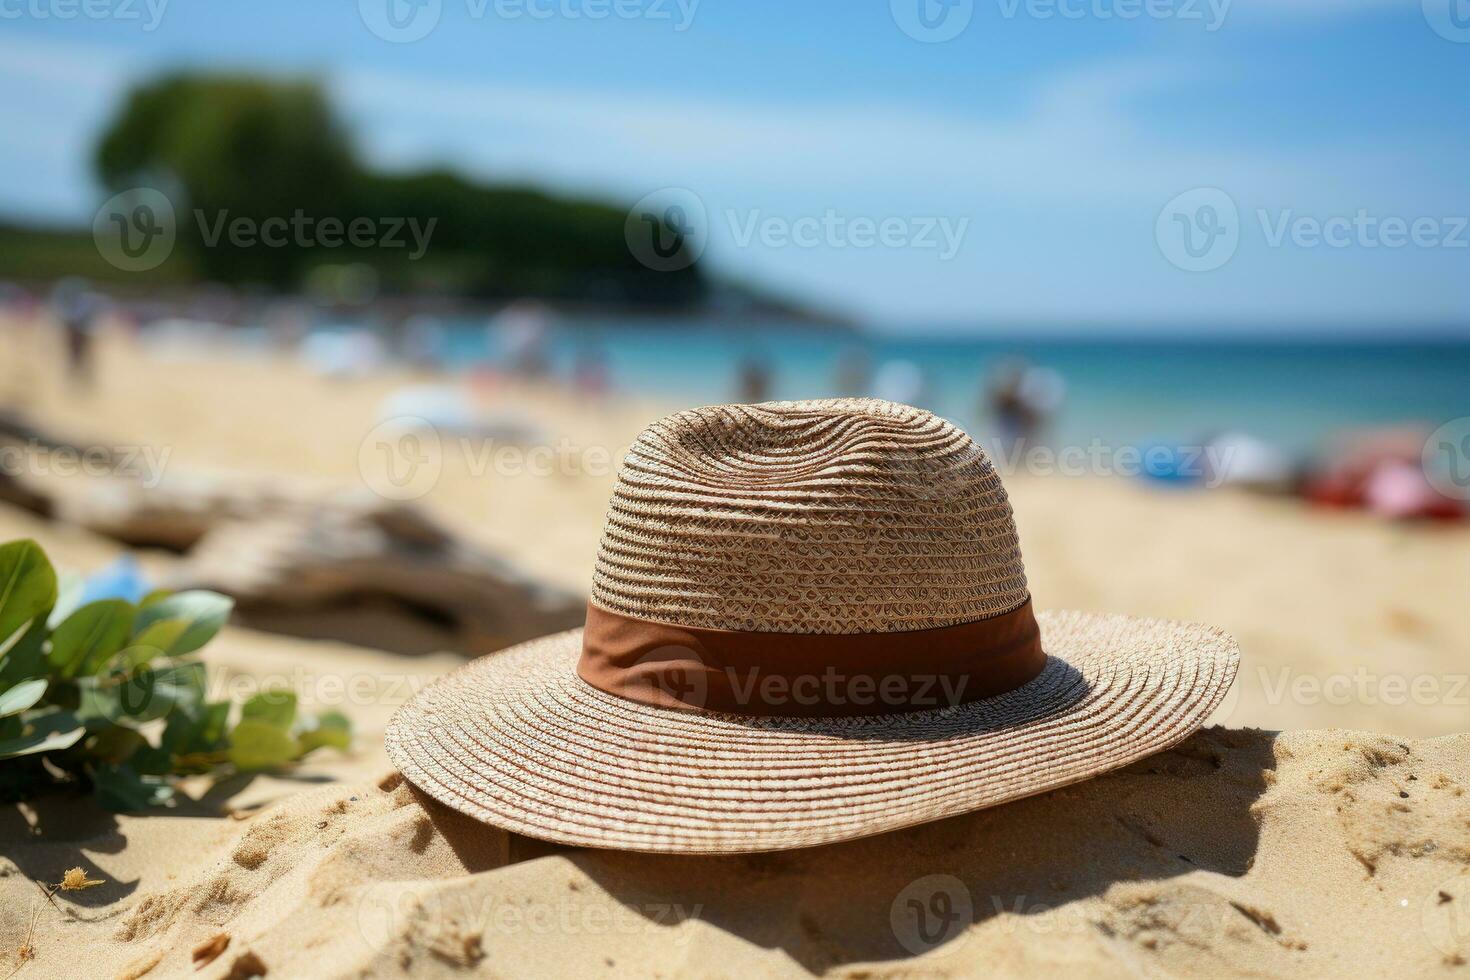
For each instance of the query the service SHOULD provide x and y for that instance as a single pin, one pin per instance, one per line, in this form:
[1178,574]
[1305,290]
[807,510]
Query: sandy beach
[1321,828]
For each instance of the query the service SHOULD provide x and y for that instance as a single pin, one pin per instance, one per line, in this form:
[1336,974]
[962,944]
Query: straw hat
[809,622]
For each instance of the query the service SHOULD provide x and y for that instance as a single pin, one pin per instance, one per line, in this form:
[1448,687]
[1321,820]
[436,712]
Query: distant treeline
[256,167]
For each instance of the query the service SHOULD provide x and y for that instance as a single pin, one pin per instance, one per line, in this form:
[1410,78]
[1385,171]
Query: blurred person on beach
[286,325]
[754,382]
[77,309]
[18,327]
[854,372]
[590,377]
[522,328]
[1021,400]
[420,340]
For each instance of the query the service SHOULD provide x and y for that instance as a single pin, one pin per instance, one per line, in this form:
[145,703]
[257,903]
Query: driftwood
[176,514]
[18,493]
[302,558]
[15,488]
[374,574]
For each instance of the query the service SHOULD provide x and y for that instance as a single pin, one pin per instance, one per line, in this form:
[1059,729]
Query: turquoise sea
[1291,391]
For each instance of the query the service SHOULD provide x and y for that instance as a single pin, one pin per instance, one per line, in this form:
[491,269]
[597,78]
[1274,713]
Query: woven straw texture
[852,516]
[820,517]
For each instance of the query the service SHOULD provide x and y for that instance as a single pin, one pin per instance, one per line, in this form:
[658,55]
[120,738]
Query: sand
[1238,854]
[1320,851]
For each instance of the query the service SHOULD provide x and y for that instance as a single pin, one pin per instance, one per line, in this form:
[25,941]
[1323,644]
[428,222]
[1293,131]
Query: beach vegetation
[272,154]
[108,694]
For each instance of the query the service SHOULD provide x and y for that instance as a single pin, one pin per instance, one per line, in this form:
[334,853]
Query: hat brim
[518,740]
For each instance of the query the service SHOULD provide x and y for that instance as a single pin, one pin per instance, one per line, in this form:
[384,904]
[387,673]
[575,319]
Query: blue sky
[1047,145]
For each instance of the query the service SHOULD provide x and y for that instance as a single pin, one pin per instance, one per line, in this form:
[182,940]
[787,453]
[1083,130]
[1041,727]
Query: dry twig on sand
[75,879]
[27,950]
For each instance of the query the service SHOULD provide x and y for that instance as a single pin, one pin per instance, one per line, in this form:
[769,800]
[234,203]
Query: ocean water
[1122,391]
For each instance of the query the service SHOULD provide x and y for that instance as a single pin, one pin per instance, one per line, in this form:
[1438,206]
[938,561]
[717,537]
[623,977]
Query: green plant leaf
[69,589]
[142,695]
[46,733]
[121,788]
[201,613]
[199,730]
[24,695]
[256,745]
[27,585]
[24,656]
[332,729]
[276,707]
[116,744]
[89,637]
[150,761]
[153,643]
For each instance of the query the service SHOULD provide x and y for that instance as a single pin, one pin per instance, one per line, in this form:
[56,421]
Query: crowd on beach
[1383,471]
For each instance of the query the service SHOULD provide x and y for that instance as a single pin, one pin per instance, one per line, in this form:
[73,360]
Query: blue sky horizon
[1241,164]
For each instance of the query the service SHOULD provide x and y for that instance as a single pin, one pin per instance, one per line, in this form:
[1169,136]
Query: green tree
[229,147]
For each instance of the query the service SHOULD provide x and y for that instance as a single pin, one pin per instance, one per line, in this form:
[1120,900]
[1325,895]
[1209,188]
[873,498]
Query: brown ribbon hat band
[807,675]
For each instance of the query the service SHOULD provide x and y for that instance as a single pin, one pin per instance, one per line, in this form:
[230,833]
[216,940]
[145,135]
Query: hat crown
[830,516]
